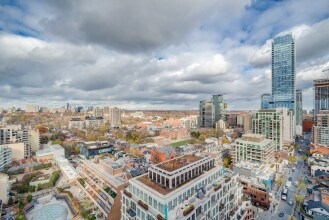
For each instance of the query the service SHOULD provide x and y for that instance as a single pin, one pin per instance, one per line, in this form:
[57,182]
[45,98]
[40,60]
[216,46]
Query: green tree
[301,185]
[29,198]
[299,199]
[20,203]
[292,159]
[57,141]
[103,129]
[10,200]
[304,158]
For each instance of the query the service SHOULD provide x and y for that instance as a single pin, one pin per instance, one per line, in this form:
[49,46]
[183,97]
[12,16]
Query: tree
[292,159]
[301,185]
[299,199]
[226,140]
[20,203]
[103,129]
[291,217]
[57,141]
[29,198]
[279,181]
[42,129]
[10,200]
[304,158]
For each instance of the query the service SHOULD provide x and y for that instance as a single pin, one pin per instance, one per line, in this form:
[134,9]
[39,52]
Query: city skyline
[56,52]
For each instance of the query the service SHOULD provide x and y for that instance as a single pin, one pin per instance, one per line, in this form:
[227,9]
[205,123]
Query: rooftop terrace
[179,162]
[162,189]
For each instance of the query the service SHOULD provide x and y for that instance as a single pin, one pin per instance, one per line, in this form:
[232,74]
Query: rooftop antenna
[326,70]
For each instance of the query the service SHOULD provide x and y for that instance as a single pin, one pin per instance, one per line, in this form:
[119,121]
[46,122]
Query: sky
[147,54]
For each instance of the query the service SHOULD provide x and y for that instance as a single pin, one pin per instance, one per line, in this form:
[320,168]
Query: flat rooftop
[162,189]
[179,162]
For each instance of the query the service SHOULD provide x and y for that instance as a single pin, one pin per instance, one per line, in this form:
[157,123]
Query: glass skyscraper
[266,100]
[283,72]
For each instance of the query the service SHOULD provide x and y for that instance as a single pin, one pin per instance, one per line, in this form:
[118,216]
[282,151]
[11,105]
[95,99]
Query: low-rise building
[318,204]
[50,153]
[175,134]
[104,179]
[187,187]
[93,148]
[262,173]
[162,154]
[253,148]
[258,193]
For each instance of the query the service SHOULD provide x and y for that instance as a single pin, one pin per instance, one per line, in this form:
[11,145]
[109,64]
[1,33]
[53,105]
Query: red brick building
[162,154]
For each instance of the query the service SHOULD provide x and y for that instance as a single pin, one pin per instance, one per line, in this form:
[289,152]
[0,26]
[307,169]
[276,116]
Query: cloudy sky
[148,54]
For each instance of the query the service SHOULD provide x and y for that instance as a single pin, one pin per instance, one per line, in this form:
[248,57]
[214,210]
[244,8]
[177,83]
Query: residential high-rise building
[115,116]
[5,157]
[106,110]
[266,99]
[276,124]
[321,95]
[321,129]
[211,111]
[12,134]
[32,108]
[245,121]
[98,112]
[283,72]
[5,187]
[299,112]
[253,148]
[186,187]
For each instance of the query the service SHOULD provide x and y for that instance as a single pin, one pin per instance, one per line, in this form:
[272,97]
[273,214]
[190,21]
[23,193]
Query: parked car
[296,183]
[290,201]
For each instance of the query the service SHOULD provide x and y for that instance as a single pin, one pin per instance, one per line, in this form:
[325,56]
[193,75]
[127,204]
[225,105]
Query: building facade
[76,123]
[321,129]
[299,112]
[253,148]
[94,122]
[211,111]
[283,72]
[188,187]
[266,100]
[94,148]
[5,187]
[321,95]
[276,124]
[5,157]
[115,116]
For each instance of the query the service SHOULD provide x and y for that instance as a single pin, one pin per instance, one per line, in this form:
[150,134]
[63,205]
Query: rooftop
[179,162]
[162,189]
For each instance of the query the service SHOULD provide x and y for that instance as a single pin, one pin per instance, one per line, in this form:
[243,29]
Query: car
[290,178]
[296,183]
[290,201]
[281,214]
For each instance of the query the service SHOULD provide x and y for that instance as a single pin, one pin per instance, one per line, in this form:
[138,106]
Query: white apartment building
[32,108]
[253,148]
[5,157]
[220,125]
[5,187]
[94,122]
[11,134]
[98,112]
[115,116]
[185,188]
[276,124]
[190,122]
[76,123]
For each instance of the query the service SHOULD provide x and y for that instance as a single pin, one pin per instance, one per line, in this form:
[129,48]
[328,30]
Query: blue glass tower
[283,72]
[266,100]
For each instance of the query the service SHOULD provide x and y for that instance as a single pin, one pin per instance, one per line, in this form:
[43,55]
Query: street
[283,206]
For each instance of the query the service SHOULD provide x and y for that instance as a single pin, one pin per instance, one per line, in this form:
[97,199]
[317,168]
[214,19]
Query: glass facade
[266,100]
[321,95]
[299,107]
[283,72]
